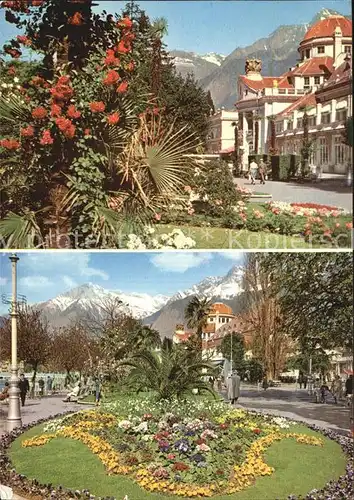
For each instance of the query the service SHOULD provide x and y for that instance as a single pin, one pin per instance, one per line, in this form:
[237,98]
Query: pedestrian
[49,384]
[349,386]
[253,172]
[305,381]
[336,388]
[265,384]
[24,388]
[41,387]
[262,172]
[300,380]
[233,387]
[98,391]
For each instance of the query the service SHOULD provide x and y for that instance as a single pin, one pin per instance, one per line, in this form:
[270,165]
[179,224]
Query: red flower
[113,119]
[122,87]
[46,138]
[124,47]
[171,456]
[63,80]
[349,225]
[97,107]
[55,111]
[39,113]
[156,111]
[16,54]
[111,78]
[73,112]
[66,126]
[70,132]
[131,66]
[24,40]
[157,216]
[180,466]
[62,90]
[125,22]
[257,431]
[76,19]
[37,80]
[11,71]
[87,131]
[111,59]
[10,144]
[27,132]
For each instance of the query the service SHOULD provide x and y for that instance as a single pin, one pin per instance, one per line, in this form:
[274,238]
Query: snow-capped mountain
[200,65]
[90,299]
[227,289]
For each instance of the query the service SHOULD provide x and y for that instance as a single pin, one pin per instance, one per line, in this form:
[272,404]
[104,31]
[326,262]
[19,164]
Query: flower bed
[186,456]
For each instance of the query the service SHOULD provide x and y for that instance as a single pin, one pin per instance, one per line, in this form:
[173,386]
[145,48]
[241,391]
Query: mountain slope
[200,65]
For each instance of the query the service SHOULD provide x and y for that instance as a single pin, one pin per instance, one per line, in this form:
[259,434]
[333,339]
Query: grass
[215,237]
[298,469]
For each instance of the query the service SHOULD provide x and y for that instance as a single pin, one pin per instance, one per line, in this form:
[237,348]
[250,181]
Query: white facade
[221,130]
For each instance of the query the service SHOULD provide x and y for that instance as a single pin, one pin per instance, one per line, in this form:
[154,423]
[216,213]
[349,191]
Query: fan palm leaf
[20,231]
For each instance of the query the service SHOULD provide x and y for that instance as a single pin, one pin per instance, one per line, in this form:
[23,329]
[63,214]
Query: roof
[266,82]
[314,66]
[342,74]
[305,100]
[326,27]
[219,307]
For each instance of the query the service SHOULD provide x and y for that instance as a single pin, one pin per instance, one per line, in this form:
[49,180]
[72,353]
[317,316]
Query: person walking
[300,380]
[262,172]
[24,387]
[336,388]
[253,172]
[233,387]
[41,387]
[305,381]
[265,383]
[49,384]
[98,391]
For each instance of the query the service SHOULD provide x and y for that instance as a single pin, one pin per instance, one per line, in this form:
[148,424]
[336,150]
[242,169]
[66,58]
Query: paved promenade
[329,191]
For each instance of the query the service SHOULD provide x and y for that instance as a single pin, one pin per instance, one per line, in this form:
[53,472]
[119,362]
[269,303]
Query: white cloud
[71,263]
[69,282]
[3,281]
[35,282]
[179,262]
[235,256]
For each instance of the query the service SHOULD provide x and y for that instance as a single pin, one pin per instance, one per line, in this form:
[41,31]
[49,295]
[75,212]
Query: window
[308,54]
[279,127]
[246,92]
[299,123]
[320,49]
[325,118]
[307,80]
[348,49]
[323,148]
[339,150]
[341,115]
[311,121]
[317,80]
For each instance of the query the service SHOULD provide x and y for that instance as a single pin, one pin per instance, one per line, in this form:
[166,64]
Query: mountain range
[218,73]
[159,311]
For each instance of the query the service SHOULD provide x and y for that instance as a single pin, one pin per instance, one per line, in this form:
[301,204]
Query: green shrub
[216,189]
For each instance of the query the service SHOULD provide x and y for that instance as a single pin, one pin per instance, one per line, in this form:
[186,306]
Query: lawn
[215,237]
[296,466]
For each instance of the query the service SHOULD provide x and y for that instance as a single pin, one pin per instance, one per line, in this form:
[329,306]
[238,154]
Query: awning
[226,151]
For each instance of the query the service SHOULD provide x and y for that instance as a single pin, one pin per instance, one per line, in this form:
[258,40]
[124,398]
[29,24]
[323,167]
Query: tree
[306,143]
[320,362]
[171,373]
[238,350]
[236,155]
[196,314]
[315,294]
[72,350]
[272,149]
[34,339]
[270,342]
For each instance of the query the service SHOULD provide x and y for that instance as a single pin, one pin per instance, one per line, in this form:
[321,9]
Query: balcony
[276,91]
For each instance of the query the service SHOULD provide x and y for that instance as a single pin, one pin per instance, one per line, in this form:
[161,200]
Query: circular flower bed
[190,457]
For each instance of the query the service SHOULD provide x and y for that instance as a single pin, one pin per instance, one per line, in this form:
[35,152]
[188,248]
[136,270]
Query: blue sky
[219,26]
[44,275]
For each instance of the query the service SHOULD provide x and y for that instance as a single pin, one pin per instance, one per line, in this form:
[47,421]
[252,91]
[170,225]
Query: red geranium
[125,22]
[39,113]
[37,80]
[113,119]
[349,225]
[87,131]
[62,91]
[97,107]
[73,112]
[111,78]
[76,20]
[10,144]
[123,87]
[124,47]
[55,111]
[180,466]
[28,131]
[46,138]
[111,59]
[313,205]
[66,126]
[131,66]
[257,431]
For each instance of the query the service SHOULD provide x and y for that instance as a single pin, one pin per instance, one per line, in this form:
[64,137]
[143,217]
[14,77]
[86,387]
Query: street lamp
[14,413]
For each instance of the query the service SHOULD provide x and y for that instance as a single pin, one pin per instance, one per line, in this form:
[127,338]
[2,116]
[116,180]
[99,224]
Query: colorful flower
[111,78]
[39,113]
[122,87]
[46,138]
[73,112]
[28,131]
[76,20]
[97,107]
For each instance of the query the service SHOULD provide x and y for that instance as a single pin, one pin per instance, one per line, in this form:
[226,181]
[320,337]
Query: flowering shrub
[191,457]
[175,239]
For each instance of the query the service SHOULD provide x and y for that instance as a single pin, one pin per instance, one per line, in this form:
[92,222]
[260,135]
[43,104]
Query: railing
[276,91]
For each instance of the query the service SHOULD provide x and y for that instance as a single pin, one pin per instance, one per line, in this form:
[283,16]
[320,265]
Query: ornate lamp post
[14,413]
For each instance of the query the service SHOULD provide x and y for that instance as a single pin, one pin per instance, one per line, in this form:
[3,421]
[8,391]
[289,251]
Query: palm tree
[171,373]
[158,30]
[196,314]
